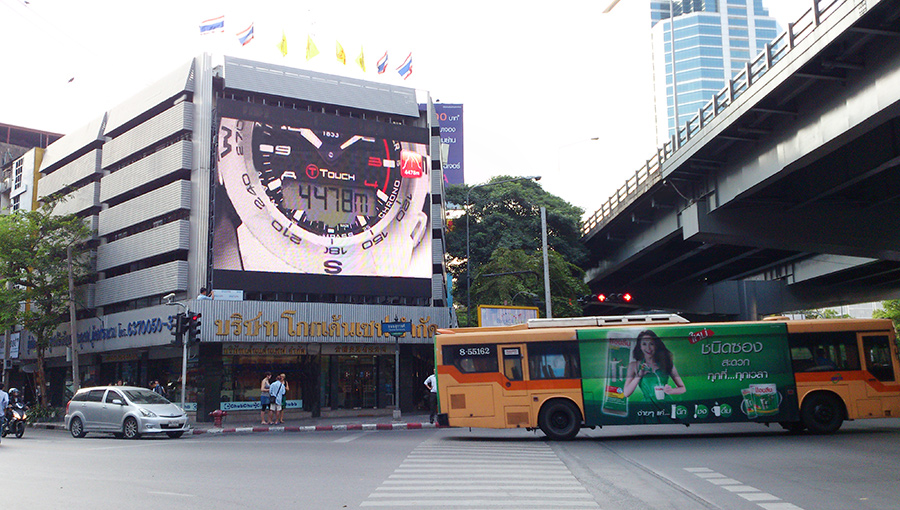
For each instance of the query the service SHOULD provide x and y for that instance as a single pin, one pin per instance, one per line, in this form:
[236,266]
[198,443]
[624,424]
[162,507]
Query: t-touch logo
[411,165]
[312,171]
[700,335]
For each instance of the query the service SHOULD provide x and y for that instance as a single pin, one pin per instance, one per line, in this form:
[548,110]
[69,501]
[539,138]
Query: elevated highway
[782,193]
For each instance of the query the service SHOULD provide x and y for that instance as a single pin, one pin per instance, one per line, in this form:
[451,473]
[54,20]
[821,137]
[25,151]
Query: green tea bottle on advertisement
[618,354]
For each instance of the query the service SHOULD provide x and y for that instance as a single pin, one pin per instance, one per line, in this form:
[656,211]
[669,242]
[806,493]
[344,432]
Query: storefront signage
[337,349]
[288,325]
[264,350]
[114,357]
[256,406]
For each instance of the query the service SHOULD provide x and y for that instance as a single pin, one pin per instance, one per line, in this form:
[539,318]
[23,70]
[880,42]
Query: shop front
[344,364]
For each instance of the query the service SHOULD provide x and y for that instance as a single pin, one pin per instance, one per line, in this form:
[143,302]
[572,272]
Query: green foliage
[890,310]
[41,413]
[507,217]
[527,289]
[826,313]
[34,262]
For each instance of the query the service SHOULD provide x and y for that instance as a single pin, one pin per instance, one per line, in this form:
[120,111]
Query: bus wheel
[822,413]
[560,420]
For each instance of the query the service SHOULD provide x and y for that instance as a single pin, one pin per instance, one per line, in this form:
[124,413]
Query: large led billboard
[310,193]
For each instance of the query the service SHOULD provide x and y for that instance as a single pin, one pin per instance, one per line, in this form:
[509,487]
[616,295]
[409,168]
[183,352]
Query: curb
[316,428]
[287,428]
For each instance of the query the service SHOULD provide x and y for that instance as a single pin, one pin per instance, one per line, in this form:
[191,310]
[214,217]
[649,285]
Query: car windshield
[145,397]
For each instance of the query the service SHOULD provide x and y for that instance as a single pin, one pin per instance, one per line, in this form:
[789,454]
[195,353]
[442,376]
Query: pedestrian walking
[431,384]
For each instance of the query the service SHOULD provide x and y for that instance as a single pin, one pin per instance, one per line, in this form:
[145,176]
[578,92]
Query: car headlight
[148,414]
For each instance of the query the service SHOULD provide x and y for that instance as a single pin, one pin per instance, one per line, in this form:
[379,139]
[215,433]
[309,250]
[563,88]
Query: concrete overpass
[782,193]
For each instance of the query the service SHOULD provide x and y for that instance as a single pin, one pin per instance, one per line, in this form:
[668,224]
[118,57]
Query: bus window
[470,358]
[553,360]
[878,357]
[512,363]
[824,351]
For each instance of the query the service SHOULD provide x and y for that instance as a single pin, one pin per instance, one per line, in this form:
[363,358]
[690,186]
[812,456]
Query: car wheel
[560,420]
[175,435]
[76,427]
[130,428]
[822,413]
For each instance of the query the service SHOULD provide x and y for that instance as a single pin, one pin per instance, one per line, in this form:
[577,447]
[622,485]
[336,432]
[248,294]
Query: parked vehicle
[124,411]
[15,420]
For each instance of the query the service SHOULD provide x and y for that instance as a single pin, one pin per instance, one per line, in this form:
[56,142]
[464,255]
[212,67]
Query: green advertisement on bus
[687,374]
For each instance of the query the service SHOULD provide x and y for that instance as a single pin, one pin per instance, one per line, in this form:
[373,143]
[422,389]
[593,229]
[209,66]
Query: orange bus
[561,375]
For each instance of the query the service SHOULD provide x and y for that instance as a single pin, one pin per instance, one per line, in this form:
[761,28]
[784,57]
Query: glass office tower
[714,39]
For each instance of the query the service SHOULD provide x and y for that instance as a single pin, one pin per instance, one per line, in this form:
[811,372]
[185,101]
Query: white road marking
[481,475]
[763,499]
[350,438]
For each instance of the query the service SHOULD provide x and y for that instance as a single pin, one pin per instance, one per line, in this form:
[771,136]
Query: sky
[538,81]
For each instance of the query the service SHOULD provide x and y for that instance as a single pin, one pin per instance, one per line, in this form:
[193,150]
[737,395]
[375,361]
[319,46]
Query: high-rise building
[714,39]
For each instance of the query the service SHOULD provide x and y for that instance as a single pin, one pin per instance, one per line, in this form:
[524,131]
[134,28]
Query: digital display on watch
[321,194]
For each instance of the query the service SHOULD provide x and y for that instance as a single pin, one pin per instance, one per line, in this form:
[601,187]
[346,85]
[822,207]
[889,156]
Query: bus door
[514,399]
[882,393]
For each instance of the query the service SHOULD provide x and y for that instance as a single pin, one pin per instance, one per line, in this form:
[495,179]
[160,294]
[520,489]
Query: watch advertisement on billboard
[310,193]
[721,373]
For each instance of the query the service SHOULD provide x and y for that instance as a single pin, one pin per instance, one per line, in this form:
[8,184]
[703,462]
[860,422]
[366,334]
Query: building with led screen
[311,204]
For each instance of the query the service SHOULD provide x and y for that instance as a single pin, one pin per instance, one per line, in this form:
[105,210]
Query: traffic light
[193,327]
[182,323]
[619,297]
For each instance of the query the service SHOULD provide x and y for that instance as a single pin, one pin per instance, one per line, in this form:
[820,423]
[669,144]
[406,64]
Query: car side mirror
[118,401]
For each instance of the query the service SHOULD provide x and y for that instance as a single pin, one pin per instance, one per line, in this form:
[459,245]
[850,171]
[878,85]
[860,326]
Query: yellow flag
[342,58]
[283,44]
[361,60]
[311,50]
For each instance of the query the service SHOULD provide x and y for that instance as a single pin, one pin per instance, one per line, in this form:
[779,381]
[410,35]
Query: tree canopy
[34,263]
[504,235]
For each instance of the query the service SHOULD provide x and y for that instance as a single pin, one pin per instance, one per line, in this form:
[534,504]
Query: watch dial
[329,183]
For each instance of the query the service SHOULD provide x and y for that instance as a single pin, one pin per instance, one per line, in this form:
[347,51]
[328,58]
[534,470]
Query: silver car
[124,411]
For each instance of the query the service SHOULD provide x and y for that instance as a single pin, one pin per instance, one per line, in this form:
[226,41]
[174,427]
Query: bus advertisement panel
[688,374]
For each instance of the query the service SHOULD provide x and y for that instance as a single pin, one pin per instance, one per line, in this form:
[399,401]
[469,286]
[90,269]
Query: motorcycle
[15,420]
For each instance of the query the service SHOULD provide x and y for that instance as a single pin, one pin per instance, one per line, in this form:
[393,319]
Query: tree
[508,216]
[526,285]
[33,260]
[890,310]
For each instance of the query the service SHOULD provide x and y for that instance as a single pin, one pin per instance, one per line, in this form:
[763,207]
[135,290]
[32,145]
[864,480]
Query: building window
[18,170]
[15,203]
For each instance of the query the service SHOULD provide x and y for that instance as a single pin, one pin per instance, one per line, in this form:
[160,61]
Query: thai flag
[406,68]
[382,64]
[246,36]
[213,25]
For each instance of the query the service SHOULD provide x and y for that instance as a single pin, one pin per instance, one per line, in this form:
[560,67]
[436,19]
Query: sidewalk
[246,424]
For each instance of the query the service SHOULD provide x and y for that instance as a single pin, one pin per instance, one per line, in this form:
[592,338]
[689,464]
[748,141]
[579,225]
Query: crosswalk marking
[763,499]
[441,474]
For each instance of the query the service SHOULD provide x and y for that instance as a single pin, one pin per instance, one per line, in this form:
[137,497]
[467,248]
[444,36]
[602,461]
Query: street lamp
[170,300]
[468,258]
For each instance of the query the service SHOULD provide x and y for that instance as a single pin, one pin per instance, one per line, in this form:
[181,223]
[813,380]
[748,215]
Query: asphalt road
[668,467]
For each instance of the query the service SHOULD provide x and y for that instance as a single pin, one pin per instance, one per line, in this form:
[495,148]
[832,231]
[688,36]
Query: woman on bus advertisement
[651,370]
[735,372]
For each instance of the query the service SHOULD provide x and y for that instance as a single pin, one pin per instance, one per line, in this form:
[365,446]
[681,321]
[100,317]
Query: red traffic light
[601,297]
[626,297]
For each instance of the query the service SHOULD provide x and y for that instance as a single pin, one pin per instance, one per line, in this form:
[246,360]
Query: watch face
[330,183]
[323,195]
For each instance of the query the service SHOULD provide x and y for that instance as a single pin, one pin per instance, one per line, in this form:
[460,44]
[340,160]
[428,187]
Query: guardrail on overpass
[773,53]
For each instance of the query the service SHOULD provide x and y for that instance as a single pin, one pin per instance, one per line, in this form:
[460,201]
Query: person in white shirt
[4,402]
[277,392]
[205,294]
[431,384]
